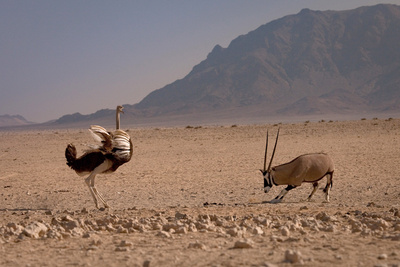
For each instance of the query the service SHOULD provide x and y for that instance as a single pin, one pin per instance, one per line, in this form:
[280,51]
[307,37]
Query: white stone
[35,230]
[293,256]
[163,234]
[382,257]
[197,245]
[125,243]
[257,231]
[285,231]
[246,243]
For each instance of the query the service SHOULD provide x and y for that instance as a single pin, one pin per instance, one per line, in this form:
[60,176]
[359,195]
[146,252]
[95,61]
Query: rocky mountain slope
[311,62]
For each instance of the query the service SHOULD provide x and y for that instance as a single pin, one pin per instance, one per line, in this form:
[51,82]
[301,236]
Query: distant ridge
[13,120]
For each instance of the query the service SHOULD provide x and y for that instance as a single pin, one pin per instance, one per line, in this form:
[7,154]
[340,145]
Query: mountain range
[13,120]
[314,62]
[307,64]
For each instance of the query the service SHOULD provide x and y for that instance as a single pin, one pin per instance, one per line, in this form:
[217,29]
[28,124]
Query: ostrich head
[120,109]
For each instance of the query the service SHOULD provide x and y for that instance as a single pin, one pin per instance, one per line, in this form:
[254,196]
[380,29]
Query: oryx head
[268,182]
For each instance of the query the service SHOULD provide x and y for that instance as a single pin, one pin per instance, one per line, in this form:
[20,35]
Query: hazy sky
[59,57]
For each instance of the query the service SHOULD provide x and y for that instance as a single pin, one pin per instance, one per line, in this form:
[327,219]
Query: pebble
[382,256]
[125,243]
[293,256]
[180,216]
[246,243]
[197,245]
[121,249]
[257,231]
[35,230]
[285,231]
[163,234]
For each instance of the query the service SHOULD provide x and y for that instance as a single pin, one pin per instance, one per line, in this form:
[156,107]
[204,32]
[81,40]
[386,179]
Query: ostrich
[115,149]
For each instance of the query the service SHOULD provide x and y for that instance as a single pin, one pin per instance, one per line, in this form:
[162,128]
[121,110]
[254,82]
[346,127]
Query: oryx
[308,168]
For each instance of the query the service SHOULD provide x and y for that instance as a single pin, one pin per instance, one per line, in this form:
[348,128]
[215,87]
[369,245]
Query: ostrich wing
[101,135]
[122,145]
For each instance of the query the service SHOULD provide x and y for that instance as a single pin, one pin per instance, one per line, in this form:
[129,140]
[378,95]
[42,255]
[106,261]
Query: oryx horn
[273,152]
[265,156]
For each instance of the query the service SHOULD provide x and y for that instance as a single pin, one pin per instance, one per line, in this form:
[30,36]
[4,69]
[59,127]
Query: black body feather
[86,163]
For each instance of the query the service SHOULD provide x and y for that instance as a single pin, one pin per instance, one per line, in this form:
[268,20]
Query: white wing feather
[118,141]
[121,142]
[99,133]
[102,136]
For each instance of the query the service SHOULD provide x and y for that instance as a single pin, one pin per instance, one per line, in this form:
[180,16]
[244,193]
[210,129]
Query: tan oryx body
[307,168]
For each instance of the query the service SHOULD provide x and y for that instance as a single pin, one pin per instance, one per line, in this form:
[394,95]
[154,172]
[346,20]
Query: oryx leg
[282,194]
[328,186]
[315,187]
[90,183]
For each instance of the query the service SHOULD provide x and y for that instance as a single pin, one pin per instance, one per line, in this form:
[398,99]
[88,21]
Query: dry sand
[193,197]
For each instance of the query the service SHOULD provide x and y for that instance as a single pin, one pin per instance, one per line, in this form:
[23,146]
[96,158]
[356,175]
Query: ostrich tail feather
[70,155]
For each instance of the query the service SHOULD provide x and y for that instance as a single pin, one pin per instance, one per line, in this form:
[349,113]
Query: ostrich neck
[117,121]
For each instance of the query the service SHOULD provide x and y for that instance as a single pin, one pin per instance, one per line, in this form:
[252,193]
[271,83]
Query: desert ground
[193,196]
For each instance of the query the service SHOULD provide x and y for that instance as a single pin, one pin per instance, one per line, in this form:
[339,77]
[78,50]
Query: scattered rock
[180,216]
[285,231]
[125,243]
[35,230]
[197,245]
[232,232]
[257,231]
[293,256]
[182,230]
[246,243]
[122,249]
[48,212]
[163,234]
[324,217]
[15,229]
[96,241]
[338,257]
[268,264]
[382,256]
[92,247]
